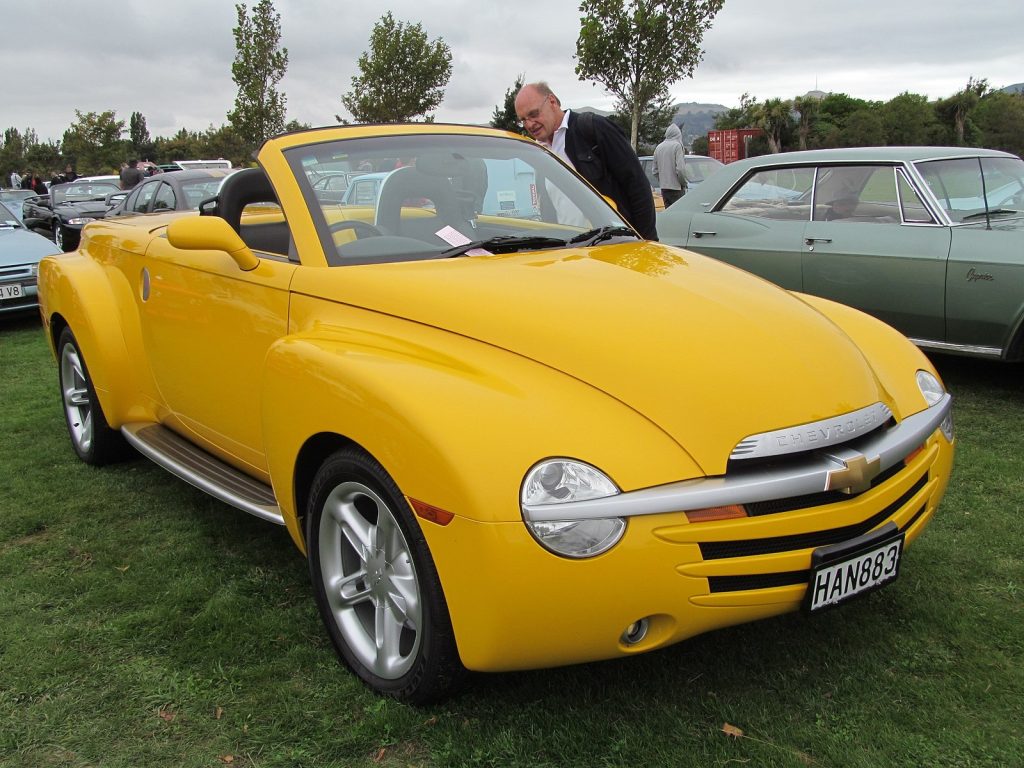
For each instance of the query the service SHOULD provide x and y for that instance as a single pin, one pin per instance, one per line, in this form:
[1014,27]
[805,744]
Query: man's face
[539,115]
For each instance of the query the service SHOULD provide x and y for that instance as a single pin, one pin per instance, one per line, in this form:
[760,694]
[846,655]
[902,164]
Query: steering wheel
[361,228]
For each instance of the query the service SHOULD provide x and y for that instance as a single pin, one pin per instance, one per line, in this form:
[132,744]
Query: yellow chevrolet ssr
[506,432]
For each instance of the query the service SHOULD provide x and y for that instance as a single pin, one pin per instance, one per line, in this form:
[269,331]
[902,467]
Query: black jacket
[605,158]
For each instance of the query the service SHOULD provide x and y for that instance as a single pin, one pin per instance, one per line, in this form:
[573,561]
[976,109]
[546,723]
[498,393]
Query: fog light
[635,632]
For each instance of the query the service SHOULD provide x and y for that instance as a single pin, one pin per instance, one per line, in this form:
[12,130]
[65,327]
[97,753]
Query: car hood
[19,246]
[707,352]
[94,208]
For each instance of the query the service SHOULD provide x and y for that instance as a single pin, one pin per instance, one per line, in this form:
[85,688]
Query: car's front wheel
[375,582]
[91,437]
[62,236]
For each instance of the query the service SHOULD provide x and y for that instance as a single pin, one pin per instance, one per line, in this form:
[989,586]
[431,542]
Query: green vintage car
[928,239]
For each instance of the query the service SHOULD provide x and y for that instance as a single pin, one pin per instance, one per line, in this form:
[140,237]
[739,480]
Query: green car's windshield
[973,188]
[403,198]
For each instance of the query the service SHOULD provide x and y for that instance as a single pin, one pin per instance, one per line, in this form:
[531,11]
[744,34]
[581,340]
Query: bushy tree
[504,116]
[909,120]
[402,77]
[637,48]
[260,63]
[743,116]
[1000,118]
[93,142]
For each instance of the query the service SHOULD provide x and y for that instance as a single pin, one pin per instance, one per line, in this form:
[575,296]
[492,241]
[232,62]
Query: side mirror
[209,233]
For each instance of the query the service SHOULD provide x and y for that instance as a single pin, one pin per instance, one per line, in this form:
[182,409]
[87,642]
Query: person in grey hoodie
[669,165]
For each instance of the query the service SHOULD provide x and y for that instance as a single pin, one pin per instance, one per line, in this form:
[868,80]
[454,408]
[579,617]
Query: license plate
[844,571]
[11,291]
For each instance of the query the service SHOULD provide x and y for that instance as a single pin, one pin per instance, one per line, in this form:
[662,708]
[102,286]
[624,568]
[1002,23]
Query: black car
[67,208]
[178,191]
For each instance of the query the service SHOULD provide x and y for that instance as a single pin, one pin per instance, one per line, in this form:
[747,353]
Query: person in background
[15,180]
[69,173]
[26,180]
[596,147]
[670,165]
[38,185]
[131,175]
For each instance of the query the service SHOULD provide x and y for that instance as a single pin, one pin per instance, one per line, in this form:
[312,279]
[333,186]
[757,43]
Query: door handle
[702,233]
[813,240]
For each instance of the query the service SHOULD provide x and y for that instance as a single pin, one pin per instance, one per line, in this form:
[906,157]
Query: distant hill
[694,118]
[1016,88]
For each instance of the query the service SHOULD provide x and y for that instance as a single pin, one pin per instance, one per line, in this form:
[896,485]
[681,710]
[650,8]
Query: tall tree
[806,108]
[138,136]
[403,75]
[654,119]
[504,116]
[636,49]
[260,63]
[955,111]
[93,142]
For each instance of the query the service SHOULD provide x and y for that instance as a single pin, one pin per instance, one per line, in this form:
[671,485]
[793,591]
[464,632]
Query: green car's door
[761,226]
[872,244]
[770,249]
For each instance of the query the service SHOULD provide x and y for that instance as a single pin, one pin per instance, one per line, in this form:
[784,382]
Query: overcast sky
[171,59]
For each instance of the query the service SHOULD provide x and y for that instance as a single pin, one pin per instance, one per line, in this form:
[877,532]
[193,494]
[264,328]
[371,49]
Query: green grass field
[143,624]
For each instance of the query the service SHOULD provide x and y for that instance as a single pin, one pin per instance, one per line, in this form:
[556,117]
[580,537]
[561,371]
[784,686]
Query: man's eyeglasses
[534,114]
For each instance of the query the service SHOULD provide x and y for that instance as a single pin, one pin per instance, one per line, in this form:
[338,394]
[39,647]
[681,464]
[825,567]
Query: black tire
[363,541]
[65,239]
[91,437]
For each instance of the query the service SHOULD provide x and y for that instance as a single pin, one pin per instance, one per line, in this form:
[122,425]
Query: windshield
[77,192]
[972,188]
[409,197]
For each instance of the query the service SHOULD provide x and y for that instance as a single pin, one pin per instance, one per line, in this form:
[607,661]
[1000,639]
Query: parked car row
[69,207]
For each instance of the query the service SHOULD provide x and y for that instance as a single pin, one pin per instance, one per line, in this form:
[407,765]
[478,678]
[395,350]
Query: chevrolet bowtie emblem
[856,475]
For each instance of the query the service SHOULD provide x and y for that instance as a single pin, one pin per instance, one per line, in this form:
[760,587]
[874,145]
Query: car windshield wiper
[993,212]
[504,244]
[595,236]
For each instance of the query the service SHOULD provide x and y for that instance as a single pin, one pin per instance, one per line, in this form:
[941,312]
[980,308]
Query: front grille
[816,499]
[718,550]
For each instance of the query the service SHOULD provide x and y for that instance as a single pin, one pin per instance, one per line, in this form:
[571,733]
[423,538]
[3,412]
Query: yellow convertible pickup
[506,432]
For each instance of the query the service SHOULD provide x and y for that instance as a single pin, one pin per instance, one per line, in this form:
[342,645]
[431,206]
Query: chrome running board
[203,470]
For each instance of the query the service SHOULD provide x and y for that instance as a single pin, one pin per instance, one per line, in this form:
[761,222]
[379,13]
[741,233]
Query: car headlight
[558,481]
[81,220]
[933,391]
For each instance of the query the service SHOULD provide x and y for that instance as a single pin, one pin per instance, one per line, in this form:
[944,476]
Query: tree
[403,75]
[138,136]
[773,117]
[909,120]
[653,121]
[955,111]
[504,116]
[93,143]
[1000,118]
[637,48]
[260,63]
[806,108]
[743,116]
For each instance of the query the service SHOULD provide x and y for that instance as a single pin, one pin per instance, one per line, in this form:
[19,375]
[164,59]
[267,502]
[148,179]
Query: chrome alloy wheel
[78,408]
[370,581]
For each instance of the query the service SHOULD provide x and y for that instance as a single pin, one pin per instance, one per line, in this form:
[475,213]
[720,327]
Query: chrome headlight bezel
[932,391]
[561,480]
